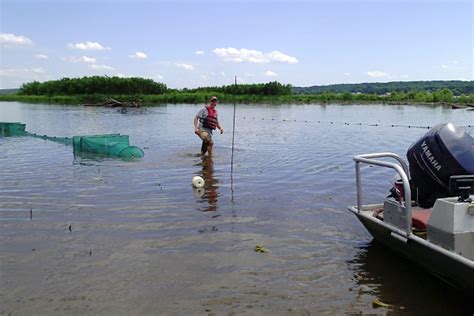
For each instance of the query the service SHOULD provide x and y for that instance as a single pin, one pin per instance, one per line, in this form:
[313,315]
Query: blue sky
[207,43]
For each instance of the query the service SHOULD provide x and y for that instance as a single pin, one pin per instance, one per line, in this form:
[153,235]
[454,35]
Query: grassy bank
[200,98]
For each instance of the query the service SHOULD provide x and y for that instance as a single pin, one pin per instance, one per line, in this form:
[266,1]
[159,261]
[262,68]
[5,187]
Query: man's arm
[220,127]
[196,128]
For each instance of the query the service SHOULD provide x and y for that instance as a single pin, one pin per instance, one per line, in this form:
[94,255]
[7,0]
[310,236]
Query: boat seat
[420,217]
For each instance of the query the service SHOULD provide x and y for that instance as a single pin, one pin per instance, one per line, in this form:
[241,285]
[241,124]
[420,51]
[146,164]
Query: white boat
[440,239]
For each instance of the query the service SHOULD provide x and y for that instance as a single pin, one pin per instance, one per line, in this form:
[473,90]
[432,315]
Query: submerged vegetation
[96,89]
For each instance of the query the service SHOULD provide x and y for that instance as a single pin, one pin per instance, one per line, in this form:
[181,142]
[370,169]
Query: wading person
[205,122]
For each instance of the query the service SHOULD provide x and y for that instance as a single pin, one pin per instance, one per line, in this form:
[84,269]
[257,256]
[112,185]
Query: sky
[189,44]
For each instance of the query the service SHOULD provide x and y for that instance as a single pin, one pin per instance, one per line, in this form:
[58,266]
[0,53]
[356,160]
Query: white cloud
[280,57]
[199,52]
[270,73]
[156,77]
[41,56]
[100,67]
[89,60]
[231,54]
[20,72]
[38,70]
[184,66]
[15,77]
[87,46]
[138,55]
[81,59]
[451,66]
[12,40]
[248,74]
[240,55]
[377,74]
[347,74]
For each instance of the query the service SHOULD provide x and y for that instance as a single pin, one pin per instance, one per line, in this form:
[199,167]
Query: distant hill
[456,86]
[8,91]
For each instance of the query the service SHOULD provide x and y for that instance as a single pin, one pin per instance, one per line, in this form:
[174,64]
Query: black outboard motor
[442,152]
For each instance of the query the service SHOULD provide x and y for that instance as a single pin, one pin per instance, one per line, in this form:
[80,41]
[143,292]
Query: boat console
[451,226]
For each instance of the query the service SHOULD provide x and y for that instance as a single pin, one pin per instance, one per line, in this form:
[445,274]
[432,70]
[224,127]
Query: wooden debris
[112,103]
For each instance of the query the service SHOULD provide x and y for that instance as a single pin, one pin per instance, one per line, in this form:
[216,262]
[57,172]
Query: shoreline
[191,98]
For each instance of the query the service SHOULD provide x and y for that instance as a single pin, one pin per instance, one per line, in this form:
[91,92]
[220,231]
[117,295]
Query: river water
[92,235]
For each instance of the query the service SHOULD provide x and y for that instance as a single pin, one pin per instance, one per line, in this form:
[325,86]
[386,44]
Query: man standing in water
[205,122]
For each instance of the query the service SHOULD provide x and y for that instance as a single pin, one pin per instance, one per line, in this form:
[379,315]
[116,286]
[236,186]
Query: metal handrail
[402,170]
[386,154]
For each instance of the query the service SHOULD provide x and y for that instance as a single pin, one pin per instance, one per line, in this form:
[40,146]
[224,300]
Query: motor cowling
[442,152]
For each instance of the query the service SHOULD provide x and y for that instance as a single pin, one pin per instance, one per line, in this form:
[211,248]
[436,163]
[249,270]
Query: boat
[428,217]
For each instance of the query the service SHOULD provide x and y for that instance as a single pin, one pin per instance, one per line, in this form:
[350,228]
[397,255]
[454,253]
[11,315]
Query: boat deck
[420,217]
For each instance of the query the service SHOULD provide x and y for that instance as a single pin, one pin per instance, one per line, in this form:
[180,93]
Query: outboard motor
[442,152]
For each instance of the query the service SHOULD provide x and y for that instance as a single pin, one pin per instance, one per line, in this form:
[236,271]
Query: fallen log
[458,106]
[114,103]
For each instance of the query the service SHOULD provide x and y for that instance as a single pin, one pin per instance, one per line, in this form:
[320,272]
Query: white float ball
[198,182]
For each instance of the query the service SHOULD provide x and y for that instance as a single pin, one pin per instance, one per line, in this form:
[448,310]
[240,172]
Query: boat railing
[402,170]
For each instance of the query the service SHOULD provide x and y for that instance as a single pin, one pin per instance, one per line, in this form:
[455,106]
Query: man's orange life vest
[210,121]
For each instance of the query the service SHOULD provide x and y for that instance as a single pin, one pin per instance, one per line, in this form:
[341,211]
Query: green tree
[443,95]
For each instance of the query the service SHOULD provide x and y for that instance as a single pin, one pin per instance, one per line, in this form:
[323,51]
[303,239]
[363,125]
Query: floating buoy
[198,182]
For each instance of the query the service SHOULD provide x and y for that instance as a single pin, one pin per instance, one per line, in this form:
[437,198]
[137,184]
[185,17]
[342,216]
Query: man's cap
[214,98]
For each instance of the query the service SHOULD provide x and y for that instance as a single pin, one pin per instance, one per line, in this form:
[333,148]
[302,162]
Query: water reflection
[382,274]
[209,192]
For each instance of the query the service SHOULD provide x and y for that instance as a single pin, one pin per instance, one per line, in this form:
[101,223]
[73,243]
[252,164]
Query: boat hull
[458,273]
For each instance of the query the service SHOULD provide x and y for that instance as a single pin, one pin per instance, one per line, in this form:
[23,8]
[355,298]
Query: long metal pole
[358,187]
[233,133]
[232,157]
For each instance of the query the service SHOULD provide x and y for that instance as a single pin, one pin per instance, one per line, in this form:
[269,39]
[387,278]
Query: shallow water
[91,235]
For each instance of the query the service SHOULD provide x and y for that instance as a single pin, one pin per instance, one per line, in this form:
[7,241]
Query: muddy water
[90,235]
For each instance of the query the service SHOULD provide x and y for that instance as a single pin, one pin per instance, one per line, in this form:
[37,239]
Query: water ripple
[134,237]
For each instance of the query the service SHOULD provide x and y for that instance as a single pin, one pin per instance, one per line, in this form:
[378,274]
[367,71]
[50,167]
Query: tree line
[444,95]
[456,86]
[94,89]
[140,86]
[422,97]
[93,85]
[263,89]
[136,85]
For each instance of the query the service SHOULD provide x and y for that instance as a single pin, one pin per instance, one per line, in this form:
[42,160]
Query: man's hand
[222,130]
[196,131]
